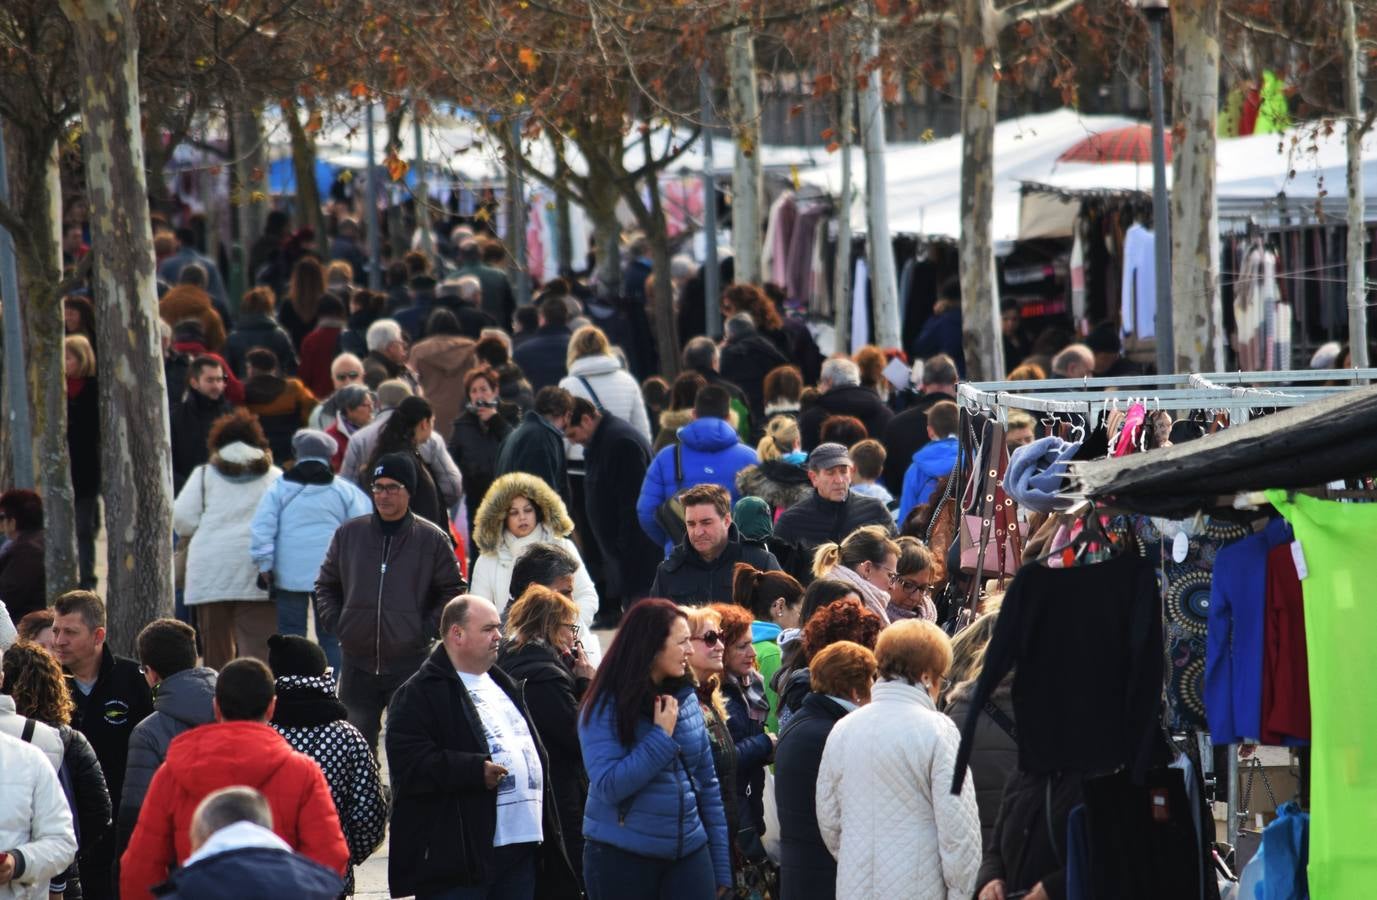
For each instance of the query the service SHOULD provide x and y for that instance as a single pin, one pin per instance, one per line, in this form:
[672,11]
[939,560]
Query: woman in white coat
[599,377]
[884,801]
[215,510]
[518,512]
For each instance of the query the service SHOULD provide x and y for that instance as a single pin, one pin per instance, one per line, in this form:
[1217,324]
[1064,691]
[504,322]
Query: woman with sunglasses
[910,595]
[654,826]
[706,663]
[867,560]
[543,651]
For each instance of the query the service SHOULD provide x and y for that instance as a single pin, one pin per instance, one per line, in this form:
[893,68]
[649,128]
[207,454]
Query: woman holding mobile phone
[544,652]
[653,826]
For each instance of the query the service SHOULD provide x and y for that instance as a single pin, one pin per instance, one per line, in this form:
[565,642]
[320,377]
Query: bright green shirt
[1339,545]
[767,658]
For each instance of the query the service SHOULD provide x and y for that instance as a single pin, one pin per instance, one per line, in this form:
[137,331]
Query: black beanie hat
[398,467]
[289,654]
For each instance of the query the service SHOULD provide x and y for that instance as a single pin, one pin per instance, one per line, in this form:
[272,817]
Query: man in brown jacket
[384,582]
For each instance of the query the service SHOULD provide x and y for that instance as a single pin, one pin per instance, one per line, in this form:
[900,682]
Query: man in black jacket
[700,569]
[747,358]
[542,355]
[831,513]
[843,395]
[111,697]
[536,446]
[473,806]
[907,432]
[192,416]
[616,457]
[380,589]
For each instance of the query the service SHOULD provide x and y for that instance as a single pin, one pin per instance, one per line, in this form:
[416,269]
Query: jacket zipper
[377,633]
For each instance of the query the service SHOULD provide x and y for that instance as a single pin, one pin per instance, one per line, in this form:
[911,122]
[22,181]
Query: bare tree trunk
[884,282]
[251,175]
[1196,310]
[841,278]
[36,192]
[135,461]
[979,108]
[1357,264]
[309,211]
[747,179]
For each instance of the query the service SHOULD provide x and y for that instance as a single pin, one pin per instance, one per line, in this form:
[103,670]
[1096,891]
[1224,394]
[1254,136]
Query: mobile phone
[1017,894]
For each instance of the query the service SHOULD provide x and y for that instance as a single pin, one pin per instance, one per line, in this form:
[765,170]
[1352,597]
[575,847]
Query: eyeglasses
[574,627]
[387,489]
[709,638]
[914,588]
[889,574]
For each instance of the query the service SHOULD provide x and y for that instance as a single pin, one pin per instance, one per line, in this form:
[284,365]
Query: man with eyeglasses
[381,588]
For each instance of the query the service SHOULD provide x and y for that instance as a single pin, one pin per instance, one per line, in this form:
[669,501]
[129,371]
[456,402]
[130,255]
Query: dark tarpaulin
[1305,446]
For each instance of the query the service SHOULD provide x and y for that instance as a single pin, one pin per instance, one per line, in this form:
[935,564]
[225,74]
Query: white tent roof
[924,180]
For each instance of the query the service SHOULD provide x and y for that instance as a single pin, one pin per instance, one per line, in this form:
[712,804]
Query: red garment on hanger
[1247,119]
[1285,667]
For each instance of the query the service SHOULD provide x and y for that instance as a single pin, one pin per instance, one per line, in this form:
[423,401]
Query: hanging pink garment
[1133,426]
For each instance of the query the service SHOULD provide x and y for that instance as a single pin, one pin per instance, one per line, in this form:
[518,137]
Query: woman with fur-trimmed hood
[779,479]
[215,511]
[518,512]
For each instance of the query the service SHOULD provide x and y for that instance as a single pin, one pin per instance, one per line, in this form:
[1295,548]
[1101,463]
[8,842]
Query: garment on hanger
[1234,654]
[1338,543]
[779,230]
[1085,645]
[1286,679]
[1139,298]
[1077,277]
[1255,298]
[860,308]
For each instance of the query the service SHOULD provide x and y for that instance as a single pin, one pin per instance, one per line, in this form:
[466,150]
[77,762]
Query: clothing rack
[1234,392]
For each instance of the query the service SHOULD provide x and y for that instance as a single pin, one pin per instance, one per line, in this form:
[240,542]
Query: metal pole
[711,273]
[516,219]
[422,193]
[370,186]
[21,438]
[1231,826]
[1161,218]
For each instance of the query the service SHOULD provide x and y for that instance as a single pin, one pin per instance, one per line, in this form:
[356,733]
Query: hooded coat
[215,509]
[500,549]
[222,755]
[295,520]
[712,453]
[441,361]
[933,462]
[183,701]
[186,301]
[671,420]
[283,405]
[775,481]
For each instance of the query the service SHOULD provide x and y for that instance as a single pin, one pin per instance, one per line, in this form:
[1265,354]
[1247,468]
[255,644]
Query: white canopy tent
[1267,176]
[924,180]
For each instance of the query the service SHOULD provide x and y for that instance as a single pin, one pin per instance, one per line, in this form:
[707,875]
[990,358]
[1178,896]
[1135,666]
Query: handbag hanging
[992,539]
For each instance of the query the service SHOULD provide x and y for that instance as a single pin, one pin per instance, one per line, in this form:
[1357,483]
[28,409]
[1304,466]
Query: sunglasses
[709,638]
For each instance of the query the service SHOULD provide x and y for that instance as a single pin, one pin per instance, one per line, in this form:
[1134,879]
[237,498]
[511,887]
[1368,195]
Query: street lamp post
[1155,11]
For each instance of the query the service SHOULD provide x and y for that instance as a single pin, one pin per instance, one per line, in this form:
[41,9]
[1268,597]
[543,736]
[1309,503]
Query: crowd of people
[399,518]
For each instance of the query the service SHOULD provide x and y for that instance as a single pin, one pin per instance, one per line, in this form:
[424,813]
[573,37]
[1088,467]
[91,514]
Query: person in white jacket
[215,509]
[37,840]
[519,512]
[599,377]
[884,803]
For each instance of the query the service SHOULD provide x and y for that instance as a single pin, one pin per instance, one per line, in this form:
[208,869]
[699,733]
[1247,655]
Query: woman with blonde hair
[83,449]
[779,478]
[543,652]
[884,800]
[867,560]
[706,665]
[598,376]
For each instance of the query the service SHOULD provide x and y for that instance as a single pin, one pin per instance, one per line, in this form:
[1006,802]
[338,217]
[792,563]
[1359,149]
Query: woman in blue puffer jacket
[292,528]
[654,825]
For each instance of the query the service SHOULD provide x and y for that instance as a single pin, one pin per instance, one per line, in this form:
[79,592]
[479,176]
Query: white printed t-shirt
[511,745]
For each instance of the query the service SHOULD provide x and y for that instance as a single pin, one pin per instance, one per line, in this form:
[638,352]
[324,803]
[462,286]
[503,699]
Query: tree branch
[1260,27]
